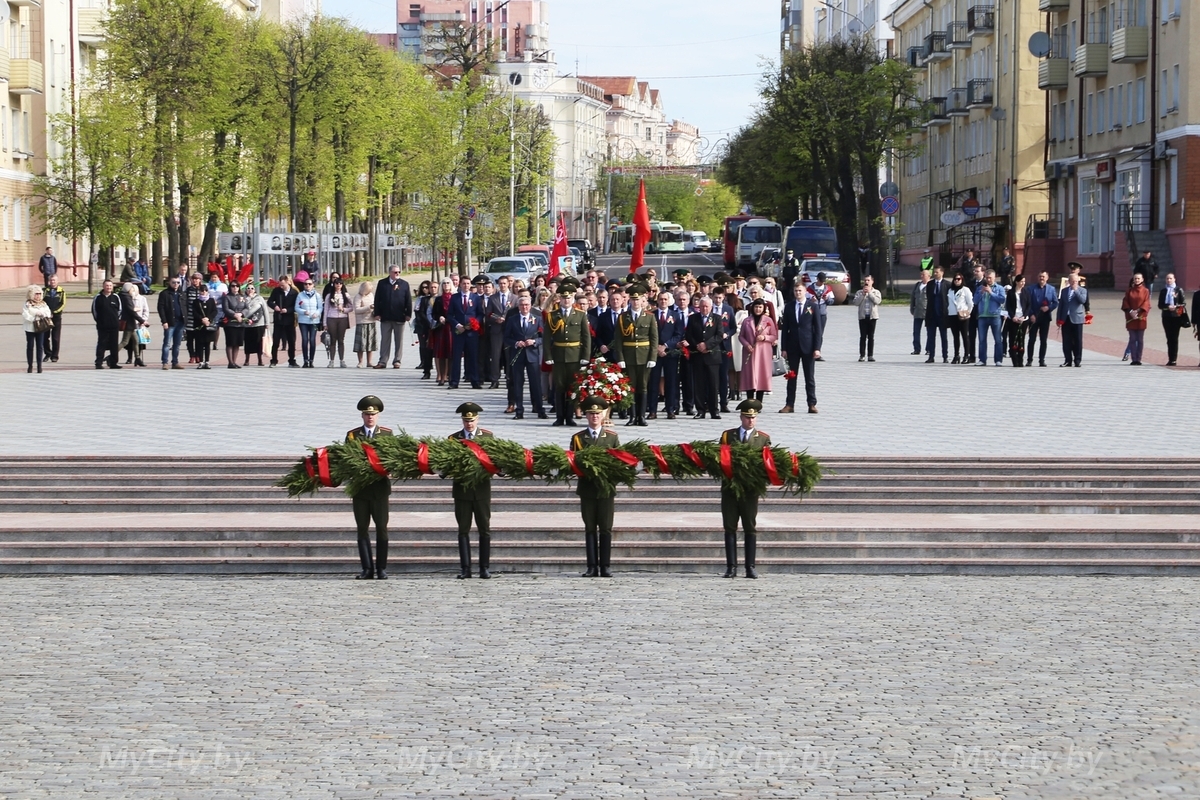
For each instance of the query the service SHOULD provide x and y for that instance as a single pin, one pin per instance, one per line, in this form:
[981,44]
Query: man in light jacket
[916,306]
[1071,315]
[989,300]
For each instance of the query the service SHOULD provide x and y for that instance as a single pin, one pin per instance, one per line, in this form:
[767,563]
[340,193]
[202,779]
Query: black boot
[604,554]
[639,402]
[381,547]
[730,556]
[464,556]
[593,569]
[751,548]
[485,554]
[364,556]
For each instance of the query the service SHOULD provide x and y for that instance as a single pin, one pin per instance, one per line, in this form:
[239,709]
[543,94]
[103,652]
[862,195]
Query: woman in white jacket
[35,308]
[959,303]
[867,299]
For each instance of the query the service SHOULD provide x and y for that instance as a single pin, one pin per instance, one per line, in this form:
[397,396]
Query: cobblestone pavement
[653,687]
[895,406]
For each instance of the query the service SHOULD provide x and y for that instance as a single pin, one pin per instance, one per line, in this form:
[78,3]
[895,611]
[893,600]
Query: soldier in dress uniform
[566,343]
[595,507]
[371,503]
[475,501]
[747,507]
[635,347]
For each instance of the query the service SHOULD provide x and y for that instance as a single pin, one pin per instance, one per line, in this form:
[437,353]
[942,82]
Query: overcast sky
[659,40]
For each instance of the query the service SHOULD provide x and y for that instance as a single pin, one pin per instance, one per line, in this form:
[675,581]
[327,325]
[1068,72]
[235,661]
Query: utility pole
[514,80]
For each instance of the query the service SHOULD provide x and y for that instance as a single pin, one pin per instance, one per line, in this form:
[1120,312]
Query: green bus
[665,237]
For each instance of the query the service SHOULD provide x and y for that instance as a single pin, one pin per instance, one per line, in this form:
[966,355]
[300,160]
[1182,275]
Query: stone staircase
[901,515]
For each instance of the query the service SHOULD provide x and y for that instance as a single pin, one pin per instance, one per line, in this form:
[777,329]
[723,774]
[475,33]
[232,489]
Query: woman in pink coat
[758,335]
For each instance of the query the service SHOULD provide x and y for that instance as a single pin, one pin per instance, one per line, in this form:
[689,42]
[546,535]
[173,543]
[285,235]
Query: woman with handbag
[338,308]
[1136,306]
[735,346]
[1174,316]
[135,319]
[365,338]
[867,299]
[234,304]
[256,324]
[758,335]
[36,321]
[1016,320]
[959,304]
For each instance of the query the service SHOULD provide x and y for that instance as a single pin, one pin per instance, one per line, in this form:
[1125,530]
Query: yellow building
[977,178]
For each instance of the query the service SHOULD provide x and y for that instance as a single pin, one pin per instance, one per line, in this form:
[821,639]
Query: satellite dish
[514,78]
[1039,44]
[998,114]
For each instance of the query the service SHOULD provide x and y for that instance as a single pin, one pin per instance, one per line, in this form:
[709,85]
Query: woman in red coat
[758,335]
[439,332]
[1136,306]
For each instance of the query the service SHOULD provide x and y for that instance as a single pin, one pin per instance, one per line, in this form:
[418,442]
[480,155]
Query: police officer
[566,343]
[595,507]
[635,347]
[372,502]
[473,500]
[745,508]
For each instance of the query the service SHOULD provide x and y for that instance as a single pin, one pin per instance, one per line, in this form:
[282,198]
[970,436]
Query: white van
[755,234]
[695,242]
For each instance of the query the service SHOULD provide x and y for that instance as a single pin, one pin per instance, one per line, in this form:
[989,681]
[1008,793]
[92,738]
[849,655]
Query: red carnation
[473,325]
[791,375]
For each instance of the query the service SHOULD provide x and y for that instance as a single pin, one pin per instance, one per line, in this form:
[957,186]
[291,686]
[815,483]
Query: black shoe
[293,365]
[571,423]
[521,414]
[604,573]
[480,385]
[641,423]
[716,416]
[945,360]
[496,384]
[365,575]
[381,575]
[633,420]
[724,409]
[591,573]
[543,415]
[955,361]
[701,414]
[751,572]
[1064,364]
[915,353]
[485,573]
[114,366]
[558,423]
[464,575]
[927,361]
[730,572]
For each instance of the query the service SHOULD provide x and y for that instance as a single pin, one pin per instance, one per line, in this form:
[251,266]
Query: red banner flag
[560,248]
[641,230]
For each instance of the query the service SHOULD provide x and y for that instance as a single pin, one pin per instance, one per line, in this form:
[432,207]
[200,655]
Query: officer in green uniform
[475,501]
[595,506]
[566,343]
[635,345]
[747,507]
[371,503]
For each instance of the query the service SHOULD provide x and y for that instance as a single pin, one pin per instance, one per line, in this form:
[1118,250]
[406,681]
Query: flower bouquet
[602,379]
[473,325]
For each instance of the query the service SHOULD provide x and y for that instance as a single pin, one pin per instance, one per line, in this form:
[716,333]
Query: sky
[680,46]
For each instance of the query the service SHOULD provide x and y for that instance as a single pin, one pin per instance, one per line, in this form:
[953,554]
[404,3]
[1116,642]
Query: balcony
[29,3]
[1054,5]
[91,25]
[935,112]
[1091,60]
[1130,45]
[25,76]
[957,36]
[1054,73]
[5,65]
[956,102]
[916,57]
[981,20]
[935,47]
[979,93]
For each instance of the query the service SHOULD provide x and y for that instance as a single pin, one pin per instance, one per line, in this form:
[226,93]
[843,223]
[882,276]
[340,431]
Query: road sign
[470,234]
[970,206]
[890,206]
[889,189]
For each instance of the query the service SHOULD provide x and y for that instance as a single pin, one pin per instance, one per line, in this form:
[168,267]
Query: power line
[658,46]
[696,77]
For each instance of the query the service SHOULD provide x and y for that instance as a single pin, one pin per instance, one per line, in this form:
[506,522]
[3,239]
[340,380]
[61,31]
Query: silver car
[515,268]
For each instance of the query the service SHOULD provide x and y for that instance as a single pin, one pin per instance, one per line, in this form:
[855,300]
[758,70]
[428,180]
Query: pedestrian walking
[36,322]
[473,501]
[1147,267]
[371,504]
[867,299]
[1136,305]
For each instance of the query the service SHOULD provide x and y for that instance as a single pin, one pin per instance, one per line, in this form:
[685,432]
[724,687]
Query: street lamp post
[513,80]
[844,12]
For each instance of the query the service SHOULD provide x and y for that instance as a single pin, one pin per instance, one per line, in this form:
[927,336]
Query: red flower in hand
[473,325]
[791,375]
[1087,320]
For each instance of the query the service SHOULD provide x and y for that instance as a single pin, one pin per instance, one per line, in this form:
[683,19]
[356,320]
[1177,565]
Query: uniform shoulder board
[724,437]
[485,430]
[385,430]
[352,435]
[764,433]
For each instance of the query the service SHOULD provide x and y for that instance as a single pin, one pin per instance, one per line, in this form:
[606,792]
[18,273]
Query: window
[1129,104]
[1175,88]
[1173,180]
[1004,57]
[1141,100]
[1089,216]
[16,219]
[16,129]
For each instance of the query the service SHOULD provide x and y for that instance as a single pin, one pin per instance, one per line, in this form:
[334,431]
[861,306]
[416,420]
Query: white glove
[650,364]
[621,364]
[599,358]
[550,362]
[584,362]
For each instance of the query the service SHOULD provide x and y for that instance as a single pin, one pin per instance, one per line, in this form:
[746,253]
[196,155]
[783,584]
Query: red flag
[641,230]
[560,248]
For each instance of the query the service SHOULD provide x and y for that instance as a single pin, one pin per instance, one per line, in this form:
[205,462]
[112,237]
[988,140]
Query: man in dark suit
[372,502]
[473,500]
[523,338]
[725,312]
[666,366]
[800,344]
[393,309]
[604,321]
[683,310]
[936,315]
[704,334]
[466,319]
[595,506]
[744,508]
[492,339]
[1041,305]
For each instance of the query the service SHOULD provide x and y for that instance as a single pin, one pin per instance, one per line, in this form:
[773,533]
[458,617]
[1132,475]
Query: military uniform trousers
[732,510]
[372,504]
[563,375]
[597,513]
[477,503]
[639,380]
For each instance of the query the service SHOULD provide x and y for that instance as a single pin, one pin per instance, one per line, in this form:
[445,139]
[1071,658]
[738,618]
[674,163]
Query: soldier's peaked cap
[370,404]
[469,410]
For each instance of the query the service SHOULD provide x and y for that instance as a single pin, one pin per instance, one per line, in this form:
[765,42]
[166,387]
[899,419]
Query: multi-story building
[842,19]
[795,24]
[683,143]
[512,27]
[1123,156]
[976,175]
[638,128]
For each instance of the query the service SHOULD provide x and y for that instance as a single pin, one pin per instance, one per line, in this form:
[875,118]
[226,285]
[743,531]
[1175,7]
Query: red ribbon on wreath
[796,465]
[663,467]
[322,457]
[423,459]
[624,456]
[769,466]
[571,460]
[481,455]
[308,467]
[727,461]
[373,460]
[528,462]
[692,455]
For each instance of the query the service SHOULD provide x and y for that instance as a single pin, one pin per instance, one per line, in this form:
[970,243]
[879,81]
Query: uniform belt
[635,344]
[566,344]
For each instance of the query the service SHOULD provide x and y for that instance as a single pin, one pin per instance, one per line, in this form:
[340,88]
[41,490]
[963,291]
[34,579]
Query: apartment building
[843,19]
[1123,161]
[513,27]
[976,173]
[795,24]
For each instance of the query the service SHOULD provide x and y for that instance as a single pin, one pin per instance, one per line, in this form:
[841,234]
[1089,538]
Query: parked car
[538,251]
[835,275]
[695,242]
[515,268]
[586,252]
